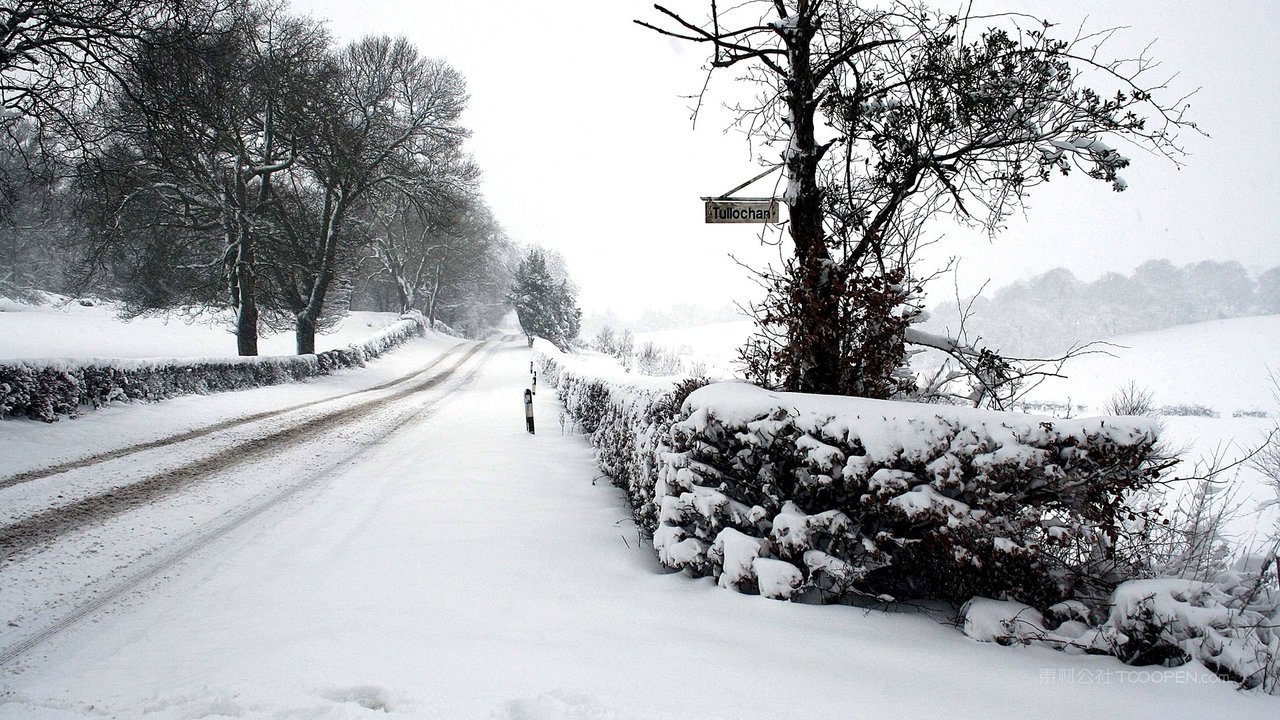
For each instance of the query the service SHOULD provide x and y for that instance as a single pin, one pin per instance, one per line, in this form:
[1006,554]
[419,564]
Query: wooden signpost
[728,209]
[741,210]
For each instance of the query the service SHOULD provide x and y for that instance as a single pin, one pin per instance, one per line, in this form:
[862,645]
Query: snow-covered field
[715,345]
[1224,365]
[63,328]
[401,547]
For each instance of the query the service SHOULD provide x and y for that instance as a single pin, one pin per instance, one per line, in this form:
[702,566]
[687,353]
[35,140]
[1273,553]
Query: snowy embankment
[824,498]
[461,568]
[46,389]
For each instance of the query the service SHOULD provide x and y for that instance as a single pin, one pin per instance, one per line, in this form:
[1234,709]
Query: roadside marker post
[535,383]
[528,409]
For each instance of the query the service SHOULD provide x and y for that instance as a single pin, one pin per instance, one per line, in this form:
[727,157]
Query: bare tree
[389,116]
[202,125]
[422,248]
[58,57]
[887,116]
[34,218]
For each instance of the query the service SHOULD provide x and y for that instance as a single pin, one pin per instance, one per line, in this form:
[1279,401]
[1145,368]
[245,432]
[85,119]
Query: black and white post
[528,409]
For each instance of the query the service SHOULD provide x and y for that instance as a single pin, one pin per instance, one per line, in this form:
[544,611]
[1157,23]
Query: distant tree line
[1053,311]
[229,154]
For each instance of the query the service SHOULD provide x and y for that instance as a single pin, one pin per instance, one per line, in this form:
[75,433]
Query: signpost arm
[766,172]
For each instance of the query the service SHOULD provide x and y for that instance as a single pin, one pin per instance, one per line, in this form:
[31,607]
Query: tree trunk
[813,332]
[247,327]
[305,334]
[247,312]
[240,274]
[407,297]
[435,293]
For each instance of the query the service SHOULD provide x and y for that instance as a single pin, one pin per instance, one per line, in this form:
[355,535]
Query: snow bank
[48,389]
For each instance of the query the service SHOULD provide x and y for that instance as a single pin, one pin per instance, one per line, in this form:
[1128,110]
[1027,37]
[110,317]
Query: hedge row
[790,495]
[826,499]
[845,495]
[47,390]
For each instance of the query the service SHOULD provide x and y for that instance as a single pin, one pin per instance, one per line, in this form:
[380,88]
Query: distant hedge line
[47,390]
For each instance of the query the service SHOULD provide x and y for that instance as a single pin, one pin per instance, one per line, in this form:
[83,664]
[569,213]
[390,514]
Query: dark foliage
[871,316]
[546,306]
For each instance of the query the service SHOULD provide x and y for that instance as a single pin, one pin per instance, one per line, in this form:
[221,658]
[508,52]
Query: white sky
[587,148]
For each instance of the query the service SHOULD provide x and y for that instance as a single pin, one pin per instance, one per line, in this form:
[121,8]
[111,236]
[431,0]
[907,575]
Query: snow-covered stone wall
[48,389]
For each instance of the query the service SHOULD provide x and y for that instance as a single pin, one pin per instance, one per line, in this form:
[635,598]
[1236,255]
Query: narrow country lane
[144,507]
[448,564]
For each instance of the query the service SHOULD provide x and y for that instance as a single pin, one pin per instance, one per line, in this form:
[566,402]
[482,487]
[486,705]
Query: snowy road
[398,544]
[149,505]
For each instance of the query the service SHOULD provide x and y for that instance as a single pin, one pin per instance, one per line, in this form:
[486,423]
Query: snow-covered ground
[459,567]
[64,328]
[390,541]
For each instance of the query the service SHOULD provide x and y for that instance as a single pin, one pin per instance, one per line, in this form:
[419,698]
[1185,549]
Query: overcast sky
[587,148]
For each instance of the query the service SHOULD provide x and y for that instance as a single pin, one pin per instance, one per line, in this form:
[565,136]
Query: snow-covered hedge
[785,493]
[1230,626]
[827,499]
[831,497]
[48,389]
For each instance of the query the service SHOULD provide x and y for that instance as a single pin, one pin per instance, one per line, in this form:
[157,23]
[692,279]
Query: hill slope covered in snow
[1224,365]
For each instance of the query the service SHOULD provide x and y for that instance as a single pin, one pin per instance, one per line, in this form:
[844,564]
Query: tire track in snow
[35,530]
[230,521]
[91,460]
